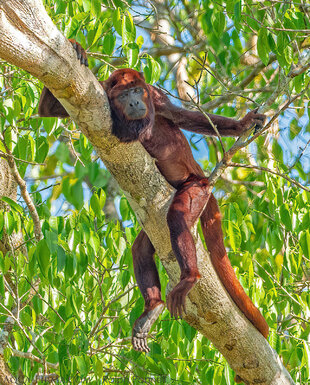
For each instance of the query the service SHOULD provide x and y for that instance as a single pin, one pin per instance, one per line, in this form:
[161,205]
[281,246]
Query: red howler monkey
[144,113]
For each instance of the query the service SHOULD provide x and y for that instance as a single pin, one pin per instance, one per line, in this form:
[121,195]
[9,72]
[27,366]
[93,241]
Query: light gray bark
[8,188]
[31,41]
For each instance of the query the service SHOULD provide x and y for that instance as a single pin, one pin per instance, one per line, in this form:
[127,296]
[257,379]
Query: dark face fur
[131,106]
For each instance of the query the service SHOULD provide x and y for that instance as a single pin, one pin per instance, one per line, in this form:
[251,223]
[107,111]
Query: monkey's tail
[212,231]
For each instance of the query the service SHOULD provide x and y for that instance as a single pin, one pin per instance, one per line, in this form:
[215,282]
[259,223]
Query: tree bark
[8,188]
[30,40]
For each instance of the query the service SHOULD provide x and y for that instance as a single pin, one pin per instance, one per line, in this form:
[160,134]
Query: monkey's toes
[139,342]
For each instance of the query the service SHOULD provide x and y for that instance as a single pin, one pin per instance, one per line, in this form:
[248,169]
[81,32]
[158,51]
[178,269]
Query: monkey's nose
[133,104]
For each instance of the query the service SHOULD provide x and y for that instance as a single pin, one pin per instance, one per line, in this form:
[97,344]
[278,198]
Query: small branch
[299,156]
[32,357]
[293,181]
[93,331]
[278,284]
[242,142]
[49,305]
[284,107]
[23,189]
[4,155]
[227,97]
[10,321]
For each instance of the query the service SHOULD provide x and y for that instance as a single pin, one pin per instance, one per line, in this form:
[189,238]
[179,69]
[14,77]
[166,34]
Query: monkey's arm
[49,106]
[196,121]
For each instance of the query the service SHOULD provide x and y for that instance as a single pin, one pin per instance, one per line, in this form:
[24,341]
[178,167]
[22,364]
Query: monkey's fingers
[184,304]
[174,304]
[171,305]
[259,123]
[80,52]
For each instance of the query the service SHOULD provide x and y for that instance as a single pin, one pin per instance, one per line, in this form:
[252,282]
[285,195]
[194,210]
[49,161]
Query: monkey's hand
[252,119]
[80,52]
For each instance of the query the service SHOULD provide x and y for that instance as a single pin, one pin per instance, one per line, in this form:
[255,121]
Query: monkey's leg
[148,281]
[186,207]
[212,231]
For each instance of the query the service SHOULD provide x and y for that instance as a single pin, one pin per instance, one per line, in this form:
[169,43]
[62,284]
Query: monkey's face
[131,105]
[133,102]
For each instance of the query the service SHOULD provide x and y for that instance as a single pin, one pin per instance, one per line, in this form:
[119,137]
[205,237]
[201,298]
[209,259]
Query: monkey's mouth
[129,130]
[136,114]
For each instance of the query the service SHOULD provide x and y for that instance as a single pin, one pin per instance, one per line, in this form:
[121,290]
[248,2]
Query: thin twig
[32,357]
[93,331]
[293,181]
[23,189]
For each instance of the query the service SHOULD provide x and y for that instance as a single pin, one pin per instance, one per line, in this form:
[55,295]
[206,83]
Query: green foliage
[76,284]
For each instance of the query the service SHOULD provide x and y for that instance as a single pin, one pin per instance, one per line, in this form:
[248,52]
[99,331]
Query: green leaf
[140,41]
[237,11]
[230,5]
[306,358]
[298,82]
[128,30]
[96,8]
[69,267]
[13,205]
[286,217]
[304,241]
[1,221]
[61,258]
[109,43]
[219,23]
[77,196]
[42,148]
[42,255]
[25,317]
[152,71]
[63,359]
[9,223]
[98,34]
[52,240]
[132,54]
[117,21]
[82,261]
[98,367]
[95,204]
[2,290]
[263,46]
[124,209]
[69,329]
[102,198]
[82,365]
[289,54]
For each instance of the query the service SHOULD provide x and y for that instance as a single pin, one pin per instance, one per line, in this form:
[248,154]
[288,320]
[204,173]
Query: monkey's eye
[138,90]
[123,95]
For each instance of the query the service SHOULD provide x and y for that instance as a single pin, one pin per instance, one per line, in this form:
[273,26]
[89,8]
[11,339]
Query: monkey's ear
[142,75]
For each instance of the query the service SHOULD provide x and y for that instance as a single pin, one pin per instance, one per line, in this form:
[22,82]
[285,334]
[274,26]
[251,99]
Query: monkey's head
[132,108]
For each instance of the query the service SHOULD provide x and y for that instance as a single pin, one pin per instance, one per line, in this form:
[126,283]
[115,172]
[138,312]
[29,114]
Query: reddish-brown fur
[158,129]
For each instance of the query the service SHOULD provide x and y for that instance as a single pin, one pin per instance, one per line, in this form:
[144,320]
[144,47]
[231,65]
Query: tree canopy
[68,298]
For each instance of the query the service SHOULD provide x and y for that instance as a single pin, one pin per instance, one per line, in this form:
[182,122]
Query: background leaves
[80,298]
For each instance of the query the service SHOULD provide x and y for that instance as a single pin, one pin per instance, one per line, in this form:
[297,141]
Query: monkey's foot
[142,327]
[176,298]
